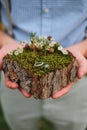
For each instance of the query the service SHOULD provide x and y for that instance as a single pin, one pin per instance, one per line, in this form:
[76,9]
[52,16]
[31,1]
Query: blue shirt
[65,20]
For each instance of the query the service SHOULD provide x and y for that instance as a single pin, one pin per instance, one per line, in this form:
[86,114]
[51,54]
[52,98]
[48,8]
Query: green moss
[51,62]
[41,56]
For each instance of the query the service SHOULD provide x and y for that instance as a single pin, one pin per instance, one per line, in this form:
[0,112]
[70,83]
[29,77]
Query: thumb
[1,61]
[2,54]
[82,67]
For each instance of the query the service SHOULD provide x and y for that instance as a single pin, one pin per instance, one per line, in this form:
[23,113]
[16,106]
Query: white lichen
[16,52]
[65,52]
[23,43]
[20,50]
[10,52]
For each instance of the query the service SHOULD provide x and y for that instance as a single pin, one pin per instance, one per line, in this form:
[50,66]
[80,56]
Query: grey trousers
[66,113]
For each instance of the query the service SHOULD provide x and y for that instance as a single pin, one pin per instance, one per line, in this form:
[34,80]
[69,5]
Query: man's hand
[9,45]
[78,52]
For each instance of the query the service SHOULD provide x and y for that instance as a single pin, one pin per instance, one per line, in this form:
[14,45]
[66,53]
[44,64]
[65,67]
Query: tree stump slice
[47,85]
[57,67]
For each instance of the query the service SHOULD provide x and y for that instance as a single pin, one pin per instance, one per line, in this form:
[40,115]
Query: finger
[0,61]
[13,85]
[62,92]
[25,94]
[82,68]
[10,84]
[82,62]
[2,55]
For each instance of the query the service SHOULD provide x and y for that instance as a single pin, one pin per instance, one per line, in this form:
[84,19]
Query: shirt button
[46,10]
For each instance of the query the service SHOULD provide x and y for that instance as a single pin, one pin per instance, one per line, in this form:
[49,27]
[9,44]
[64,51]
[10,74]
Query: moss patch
[49,62]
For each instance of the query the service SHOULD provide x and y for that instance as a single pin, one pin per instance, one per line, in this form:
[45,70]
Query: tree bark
[45,86]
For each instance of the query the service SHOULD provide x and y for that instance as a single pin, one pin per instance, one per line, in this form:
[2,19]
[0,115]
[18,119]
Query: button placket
[46,18]
[46,10]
